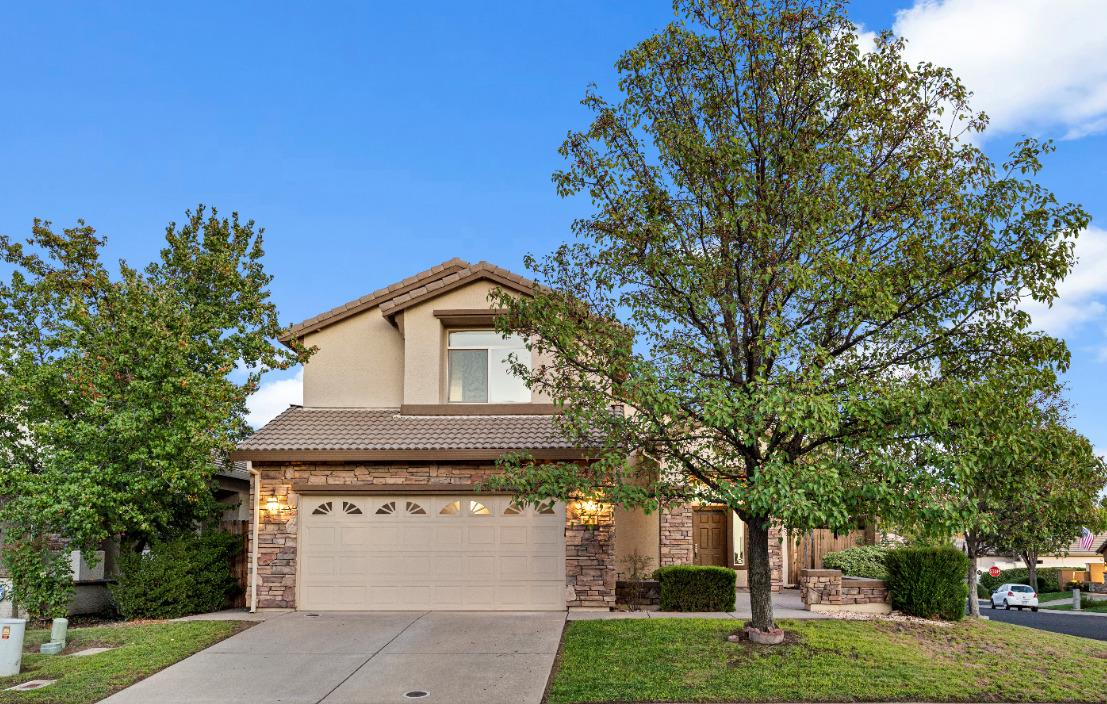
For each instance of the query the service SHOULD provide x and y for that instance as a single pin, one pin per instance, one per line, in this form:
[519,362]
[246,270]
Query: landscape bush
[861,561]
[696,588]
[1048,579]
[42,579]
[928,582]
[187,575]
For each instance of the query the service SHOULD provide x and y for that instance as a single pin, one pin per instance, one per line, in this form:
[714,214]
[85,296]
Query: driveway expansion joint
[375,653]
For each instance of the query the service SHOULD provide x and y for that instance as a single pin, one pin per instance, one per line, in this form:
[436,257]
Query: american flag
[1086,538]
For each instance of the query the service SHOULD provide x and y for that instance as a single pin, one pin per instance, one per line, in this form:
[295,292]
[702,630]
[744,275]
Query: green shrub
[861,561]
[1049,578]
[186,575]
[42,579]
[696,588]
[928,582]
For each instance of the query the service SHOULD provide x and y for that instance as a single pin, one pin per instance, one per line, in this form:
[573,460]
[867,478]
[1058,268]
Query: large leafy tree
[117,400]
[794,246]
[997,446]
[1060,497]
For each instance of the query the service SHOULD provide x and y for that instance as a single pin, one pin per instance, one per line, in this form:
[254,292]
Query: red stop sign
[994,571]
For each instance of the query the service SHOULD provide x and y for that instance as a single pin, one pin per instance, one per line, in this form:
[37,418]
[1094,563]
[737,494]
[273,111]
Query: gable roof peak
[391,299]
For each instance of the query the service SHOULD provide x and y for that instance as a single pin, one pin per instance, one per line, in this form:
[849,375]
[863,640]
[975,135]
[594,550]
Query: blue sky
[374,140]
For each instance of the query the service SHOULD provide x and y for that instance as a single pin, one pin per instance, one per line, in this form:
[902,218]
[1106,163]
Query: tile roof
[414,289]
[375,430]
[371,299]
[453,280]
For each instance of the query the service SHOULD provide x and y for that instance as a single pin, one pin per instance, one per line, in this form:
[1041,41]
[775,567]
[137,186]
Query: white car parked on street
[1017,595]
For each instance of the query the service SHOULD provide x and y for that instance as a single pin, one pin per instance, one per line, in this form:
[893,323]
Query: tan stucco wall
[365,362]
[425,342]
[359,363]
[636,530]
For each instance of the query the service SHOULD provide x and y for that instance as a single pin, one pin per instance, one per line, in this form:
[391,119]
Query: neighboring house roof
[236,470]
[427,284]
[384,434]
[1098,540]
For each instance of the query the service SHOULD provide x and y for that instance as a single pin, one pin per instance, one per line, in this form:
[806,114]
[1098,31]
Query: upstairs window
[479,370]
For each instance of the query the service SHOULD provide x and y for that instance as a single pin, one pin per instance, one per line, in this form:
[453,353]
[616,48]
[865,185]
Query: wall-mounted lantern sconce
[277,507]
[588,513]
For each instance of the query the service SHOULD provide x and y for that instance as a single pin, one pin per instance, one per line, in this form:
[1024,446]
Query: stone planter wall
[829,590]
[644,594]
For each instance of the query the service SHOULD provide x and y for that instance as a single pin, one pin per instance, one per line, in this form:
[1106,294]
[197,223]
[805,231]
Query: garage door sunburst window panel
[409,508]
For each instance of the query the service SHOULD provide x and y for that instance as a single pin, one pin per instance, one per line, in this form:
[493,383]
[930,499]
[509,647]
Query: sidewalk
[786,604]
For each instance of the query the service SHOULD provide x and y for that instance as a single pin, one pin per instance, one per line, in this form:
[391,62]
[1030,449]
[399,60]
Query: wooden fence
[808,549]
[240,563]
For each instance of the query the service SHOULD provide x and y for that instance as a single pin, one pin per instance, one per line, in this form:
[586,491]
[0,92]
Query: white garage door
[430,552]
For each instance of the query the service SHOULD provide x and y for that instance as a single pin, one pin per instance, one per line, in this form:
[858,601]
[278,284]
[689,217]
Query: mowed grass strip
[140,650]
[690,660]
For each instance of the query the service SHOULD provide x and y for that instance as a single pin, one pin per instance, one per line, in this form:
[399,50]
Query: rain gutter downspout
[255,486]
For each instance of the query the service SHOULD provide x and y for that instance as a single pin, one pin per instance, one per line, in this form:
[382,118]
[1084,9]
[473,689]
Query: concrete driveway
[367,658]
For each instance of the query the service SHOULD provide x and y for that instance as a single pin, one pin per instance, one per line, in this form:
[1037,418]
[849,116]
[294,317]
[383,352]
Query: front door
[709,530]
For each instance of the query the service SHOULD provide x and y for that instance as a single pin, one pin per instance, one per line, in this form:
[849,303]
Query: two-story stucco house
[366,496]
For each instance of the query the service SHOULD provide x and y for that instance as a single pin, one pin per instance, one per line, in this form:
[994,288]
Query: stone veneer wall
[590,554]
[677,542]
[828,590]
[676,536]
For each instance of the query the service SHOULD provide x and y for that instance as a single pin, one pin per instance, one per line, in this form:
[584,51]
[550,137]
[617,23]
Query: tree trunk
[973,579]
[1031,560]
[760,577]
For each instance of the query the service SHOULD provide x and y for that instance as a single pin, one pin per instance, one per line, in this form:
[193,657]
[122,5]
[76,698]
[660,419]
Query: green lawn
[690,660]
[1053,596]
[142,650]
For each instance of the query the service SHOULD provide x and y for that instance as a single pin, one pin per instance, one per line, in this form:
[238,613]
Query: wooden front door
[709,536]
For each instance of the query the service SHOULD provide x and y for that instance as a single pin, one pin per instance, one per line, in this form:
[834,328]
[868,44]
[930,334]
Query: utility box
[82,571]
[7,610]
[11,645]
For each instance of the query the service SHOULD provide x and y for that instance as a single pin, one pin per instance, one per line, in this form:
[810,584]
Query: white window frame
[521,351]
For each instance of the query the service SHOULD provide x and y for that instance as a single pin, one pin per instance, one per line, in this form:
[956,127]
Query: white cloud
[273,397]
[1032,64]
[1082,297]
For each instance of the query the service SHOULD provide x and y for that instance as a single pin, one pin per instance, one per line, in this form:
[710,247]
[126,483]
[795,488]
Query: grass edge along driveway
[658,660]
[141,649]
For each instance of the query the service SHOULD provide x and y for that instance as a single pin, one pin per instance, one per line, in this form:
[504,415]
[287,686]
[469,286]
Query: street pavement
[1074,624]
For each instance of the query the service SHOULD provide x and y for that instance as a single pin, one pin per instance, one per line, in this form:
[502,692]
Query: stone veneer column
[276,579]
[776,557]
[676,536]
[590,560]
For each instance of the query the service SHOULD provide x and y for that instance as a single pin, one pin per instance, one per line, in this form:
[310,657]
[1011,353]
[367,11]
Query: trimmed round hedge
[696,588]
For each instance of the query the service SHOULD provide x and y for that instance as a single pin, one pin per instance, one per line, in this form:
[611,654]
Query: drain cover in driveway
[416,694]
